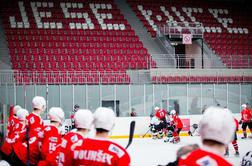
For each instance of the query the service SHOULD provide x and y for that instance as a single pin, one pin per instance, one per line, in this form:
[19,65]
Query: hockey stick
[146,133]
[28,146]
[131,133]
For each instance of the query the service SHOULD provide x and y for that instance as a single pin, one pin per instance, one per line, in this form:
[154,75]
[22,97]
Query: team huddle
[30,142]
[166,125]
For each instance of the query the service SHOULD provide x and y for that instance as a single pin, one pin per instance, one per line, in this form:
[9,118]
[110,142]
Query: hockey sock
[235,145]
[176,137]
[244,134]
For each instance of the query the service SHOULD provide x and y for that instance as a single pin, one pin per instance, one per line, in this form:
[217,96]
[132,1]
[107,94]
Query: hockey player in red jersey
[17,134]
[13,120]
[178,125]
[161,114]
[246,120]
[217,127]
[51,137]
[83,120]
[99,151]
[28,152]
[35,122]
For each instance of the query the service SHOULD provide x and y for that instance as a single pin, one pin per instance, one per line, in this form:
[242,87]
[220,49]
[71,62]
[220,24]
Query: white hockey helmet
[39,102]
[56,114]
[156,108]
[22,113]
[217,124]
[173,112]
[104,118]
[16,108]
[83,119]
[244,106]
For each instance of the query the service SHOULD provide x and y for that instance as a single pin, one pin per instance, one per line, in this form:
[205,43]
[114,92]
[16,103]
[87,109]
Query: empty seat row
[201,79]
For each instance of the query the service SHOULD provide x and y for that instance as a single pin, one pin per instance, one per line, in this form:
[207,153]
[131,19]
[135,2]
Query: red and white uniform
[13,120]
[160,114]
[246,115]
[50,141]
[98,152]
[66,146]
[20,149]
[201,157]
[18,134]
[177,121]
[35,122]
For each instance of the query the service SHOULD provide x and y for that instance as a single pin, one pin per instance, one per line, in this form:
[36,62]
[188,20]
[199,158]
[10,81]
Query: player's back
[202,157]
[51,139]
[35,123]
[100,152]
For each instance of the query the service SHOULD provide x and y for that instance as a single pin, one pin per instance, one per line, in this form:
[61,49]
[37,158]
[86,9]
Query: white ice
[149,152]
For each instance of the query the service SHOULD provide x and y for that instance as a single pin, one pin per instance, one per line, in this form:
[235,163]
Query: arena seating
[201,79]
[227,28]
[92,36]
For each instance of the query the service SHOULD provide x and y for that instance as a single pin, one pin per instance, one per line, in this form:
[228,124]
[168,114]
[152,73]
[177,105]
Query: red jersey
[201,157]
[160,114]
[246,115]
[99,152]
[51,139]
[35,123]
[50,143]
[13,120]
[17,135]
[20,149]
[177,121]
[66,146]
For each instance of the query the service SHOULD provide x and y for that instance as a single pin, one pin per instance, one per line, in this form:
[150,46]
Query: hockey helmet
[217,124]
[244,106]
[56,114]
[39,102]
[104,118]
[22,113]
[16,108]
[83,119]
[172,112]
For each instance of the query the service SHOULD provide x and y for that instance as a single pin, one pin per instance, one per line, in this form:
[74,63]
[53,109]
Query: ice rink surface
[149,152]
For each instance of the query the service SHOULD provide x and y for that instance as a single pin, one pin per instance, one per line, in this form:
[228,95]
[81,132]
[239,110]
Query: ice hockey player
[13,120]
[51,138]
[178,125]
[17,134]
[83,120]
[246,120]
[156,128]
[99,151]
[75,109]
[34,120]
[162,115]
[27,152]
[215,120]
[170,131]
[234,142]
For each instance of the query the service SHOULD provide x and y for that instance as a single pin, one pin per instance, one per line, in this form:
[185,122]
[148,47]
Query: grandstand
[126,54]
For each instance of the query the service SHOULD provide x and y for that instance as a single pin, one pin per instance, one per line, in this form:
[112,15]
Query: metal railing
[195,61]
[177,29]
[129,77]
